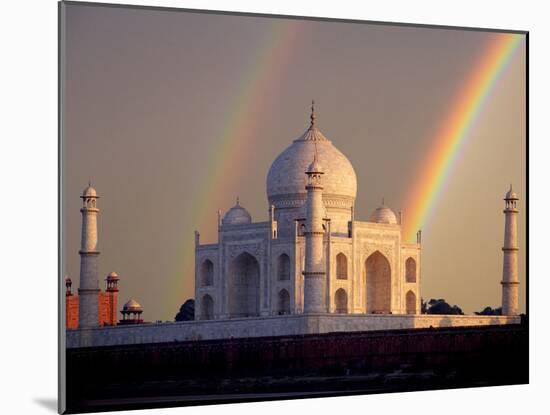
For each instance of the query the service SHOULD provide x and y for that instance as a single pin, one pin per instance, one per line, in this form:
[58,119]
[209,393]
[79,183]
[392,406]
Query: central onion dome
[286,179]
[237,215]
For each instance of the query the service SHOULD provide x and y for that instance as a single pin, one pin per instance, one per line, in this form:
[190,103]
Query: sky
[172,115]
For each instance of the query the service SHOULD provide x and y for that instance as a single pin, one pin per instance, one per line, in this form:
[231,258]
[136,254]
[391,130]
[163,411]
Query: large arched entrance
[378,276]
[244,286]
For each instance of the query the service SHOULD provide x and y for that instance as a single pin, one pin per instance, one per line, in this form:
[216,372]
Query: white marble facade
[256,268]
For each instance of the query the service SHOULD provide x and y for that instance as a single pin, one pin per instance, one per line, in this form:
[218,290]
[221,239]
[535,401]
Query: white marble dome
[383,214]
[237,215]
[286,179]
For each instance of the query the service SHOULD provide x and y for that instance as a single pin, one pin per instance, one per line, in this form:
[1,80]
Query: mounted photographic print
[259,207]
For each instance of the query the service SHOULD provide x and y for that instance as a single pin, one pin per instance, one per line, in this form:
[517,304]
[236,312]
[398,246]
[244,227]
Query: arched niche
[207,308]
[283,267]
[207,273]
[410,270]
[410,300]
[341,301]
[341,267]
[283,302]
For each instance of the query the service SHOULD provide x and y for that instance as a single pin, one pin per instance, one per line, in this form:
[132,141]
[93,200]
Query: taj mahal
[312,255]
[312,267]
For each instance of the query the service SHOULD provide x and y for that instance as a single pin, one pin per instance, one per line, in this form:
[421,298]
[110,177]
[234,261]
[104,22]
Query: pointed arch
[410,270]
[341,267]
[341,301]
[283,267]
[244,286]
[207,308]
[207,273]
[378,279]
[410,299]
[283,303]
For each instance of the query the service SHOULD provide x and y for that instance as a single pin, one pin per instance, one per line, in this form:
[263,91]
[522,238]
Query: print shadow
[48,403]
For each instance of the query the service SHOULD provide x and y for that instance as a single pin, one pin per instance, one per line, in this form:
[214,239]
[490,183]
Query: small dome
[237,215]
[383,214]
[132,305]
[89,192]
[511,195]
[112,276]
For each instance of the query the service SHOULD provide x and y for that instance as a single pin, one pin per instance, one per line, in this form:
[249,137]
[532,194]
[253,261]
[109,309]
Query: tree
[440,306]
[488,311]
[187,311]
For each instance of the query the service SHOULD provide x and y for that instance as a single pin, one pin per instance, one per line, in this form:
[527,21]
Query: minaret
[88,309]
[510,282]
[112,294]
[314,272]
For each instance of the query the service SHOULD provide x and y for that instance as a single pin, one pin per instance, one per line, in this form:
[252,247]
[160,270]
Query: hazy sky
[174,114]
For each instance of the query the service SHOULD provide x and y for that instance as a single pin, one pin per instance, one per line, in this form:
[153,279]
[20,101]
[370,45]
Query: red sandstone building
[107,302]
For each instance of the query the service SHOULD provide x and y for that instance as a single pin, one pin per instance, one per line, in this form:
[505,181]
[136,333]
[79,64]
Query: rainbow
[259,82]
[454,131]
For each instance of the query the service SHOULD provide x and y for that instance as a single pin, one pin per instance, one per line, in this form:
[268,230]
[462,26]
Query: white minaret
[510,282]
[314,272]
[88,308]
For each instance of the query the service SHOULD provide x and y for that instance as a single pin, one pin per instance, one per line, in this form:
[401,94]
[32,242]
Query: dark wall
[394,360]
